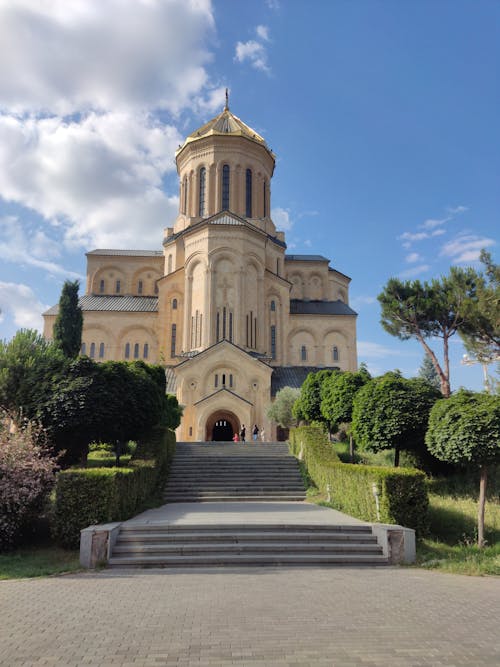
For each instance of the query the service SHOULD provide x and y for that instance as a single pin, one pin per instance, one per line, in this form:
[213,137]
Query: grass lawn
[37,561]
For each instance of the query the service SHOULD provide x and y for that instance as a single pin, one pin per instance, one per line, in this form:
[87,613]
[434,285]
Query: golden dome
[226,123]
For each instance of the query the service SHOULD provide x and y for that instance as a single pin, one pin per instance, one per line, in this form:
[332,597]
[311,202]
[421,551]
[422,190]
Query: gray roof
[127,253]
[293,376]
[306,258]
[298,307]
[117,303]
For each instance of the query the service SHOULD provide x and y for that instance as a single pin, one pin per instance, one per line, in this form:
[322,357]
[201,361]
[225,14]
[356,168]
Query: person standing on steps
[242,433]
[262,435]
[255,432]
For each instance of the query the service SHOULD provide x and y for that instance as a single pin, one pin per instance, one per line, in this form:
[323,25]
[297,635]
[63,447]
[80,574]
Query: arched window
[231,380]
[118,286]
[92,350]
[139,287]
[273,341]
[156,288]
[127,350]
[101,350]
[83,349]
[185,195]
[264,198]
[146,351]
[216,381]
[203,176]
[136,351]
[223,379]
[169,264]
[335,353]
[173,340]
[248,198]
[174,304]
[273,305]
[303,353]
[225,187]
[101,286]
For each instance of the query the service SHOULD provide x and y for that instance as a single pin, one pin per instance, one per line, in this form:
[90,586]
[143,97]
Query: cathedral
[231,316]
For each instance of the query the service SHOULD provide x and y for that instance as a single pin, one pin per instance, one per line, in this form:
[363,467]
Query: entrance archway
[221,426]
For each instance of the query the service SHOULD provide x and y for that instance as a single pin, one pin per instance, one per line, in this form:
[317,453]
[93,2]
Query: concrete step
[224,560]
[153,549]
[306,537]
[202,498]
[356,528]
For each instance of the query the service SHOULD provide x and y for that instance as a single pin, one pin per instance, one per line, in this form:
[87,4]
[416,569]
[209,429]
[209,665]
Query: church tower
[231,316]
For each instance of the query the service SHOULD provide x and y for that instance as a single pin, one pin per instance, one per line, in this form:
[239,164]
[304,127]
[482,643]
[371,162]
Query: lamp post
[484,361]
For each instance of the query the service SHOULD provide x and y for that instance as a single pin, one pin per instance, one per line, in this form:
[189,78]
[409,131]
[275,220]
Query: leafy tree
[337,398]
[29,365]
[428,372]
[391,412]
[26,478]
[69,321]
[425,310]
[308,405]
[465,429]
[480,331]
[280,411]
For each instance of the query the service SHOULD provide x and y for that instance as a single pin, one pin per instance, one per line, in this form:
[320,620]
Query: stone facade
[223,305]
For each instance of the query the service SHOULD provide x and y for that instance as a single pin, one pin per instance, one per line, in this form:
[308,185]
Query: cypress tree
[69,322]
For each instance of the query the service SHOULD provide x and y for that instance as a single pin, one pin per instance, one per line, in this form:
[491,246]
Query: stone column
[187,315]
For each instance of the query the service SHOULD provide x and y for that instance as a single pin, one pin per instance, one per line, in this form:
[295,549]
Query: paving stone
[293,617]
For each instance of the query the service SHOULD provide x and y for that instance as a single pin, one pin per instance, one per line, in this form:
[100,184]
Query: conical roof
[226,123]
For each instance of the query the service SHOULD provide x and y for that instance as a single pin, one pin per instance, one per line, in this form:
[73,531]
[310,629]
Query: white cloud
[21,302]
[431,223]
[262,32]
[20,247]
[466,248]
[374,350]
[432,226]
[281,218]
[308,243]
[61,57]
[273,4]
[253,51]
[414,271]
[412,258]
[359,301]
[455,210]
[100,179]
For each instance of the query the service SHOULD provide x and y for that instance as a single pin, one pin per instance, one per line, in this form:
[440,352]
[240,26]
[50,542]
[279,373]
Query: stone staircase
[149,545]
[220,472]
[225,473]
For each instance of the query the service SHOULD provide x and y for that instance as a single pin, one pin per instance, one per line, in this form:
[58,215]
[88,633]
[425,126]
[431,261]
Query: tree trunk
[396,457]
[444,377]
[351,448]
[482,501]
[445,382]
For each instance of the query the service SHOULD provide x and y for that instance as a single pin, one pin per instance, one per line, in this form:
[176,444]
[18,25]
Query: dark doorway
[223,430]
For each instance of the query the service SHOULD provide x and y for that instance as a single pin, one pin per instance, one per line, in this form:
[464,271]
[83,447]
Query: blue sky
[383,116]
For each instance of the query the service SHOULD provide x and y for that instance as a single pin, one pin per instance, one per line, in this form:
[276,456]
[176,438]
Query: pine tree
[427,372]
[69,322]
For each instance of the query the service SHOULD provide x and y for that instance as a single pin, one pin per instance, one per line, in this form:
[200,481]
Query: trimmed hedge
[89,496]
[402,491]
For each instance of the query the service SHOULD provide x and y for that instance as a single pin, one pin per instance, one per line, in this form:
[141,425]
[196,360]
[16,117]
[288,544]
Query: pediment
[224,350]
[217,395]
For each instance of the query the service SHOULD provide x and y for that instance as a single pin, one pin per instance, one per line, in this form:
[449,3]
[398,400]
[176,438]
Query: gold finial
[226,108]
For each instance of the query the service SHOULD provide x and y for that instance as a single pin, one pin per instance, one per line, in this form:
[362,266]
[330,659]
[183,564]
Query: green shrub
[103,459]
[91,496]
[402,492]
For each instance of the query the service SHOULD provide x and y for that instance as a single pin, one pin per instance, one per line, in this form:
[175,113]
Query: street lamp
[484,361]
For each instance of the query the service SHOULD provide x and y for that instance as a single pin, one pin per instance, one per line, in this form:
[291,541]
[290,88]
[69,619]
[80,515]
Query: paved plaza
[340,617]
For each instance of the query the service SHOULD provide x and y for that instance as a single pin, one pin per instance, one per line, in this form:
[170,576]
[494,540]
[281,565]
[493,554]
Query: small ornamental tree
[69,321]
[338,393]
[465,429]
[27,475]
[280,411]
[308,405]
[391,412]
